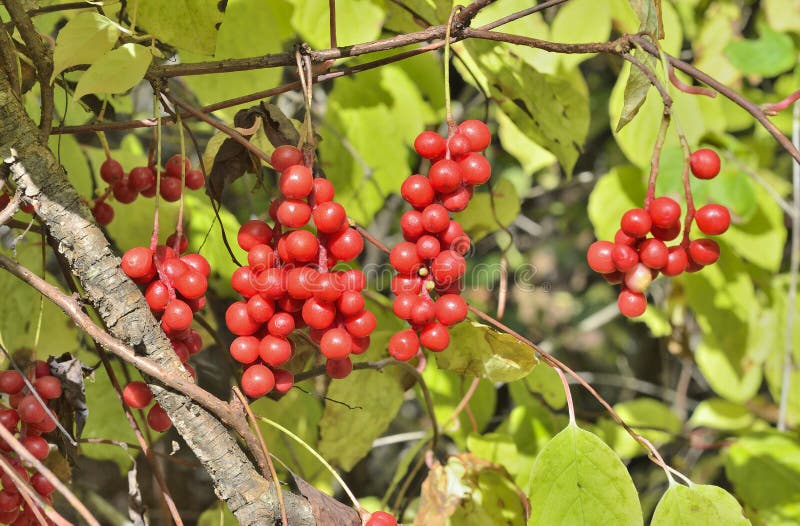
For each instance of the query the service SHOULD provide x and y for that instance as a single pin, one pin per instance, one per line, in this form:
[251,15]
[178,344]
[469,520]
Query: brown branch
[61,7]
[692,90]
[42,59]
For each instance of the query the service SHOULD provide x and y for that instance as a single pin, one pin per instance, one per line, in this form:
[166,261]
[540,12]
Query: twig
[464,401]
[369,237]
[26,455]
[692,90]
[794,268]
[773,108]
[11,208]
[568,395]
[30,495]
[332,21]
[656,159]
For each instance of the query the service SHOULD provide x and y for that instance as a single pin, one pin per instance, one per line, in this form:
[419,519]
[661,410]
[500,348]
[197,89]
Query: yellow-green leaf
[83,40]
[186,24]
[116,72]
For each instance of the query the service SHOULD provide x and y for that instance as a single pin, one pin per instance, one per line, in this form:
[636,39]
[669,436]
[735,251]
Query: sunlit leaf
[183,23]
[698,505]
[83,40]
[116,72]
[769,55]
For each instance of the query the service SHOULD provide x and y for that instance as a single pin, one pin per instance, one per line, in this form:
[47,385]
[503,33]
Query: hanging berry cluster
[175,289]
[431,259]
[639,251]
[126,187]
[26,418]
[289,282]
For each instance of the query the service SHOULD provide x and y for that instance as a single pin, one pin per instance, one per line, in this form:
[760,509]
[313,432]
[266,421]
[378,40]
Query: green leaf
[347,409]
[571,25]
[490,211]
[578,480]
[83,40]
[530,155]
[768,56]
[185,24]
[636,89]
[480,351]
[217,515]
[782,16]
[116,72]
[311,19]
[761,239]
[716,413]
[648,12]
[545,381]
[616,192]
[765,472]
[648,417]
[698,505]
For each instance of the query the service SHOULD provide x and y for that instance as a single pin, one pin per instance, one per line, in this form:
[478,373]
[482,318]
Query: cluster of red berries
[28,420]
[639,251]
[126,187]
[175,288]
[289,282]
[431,259]
[381,518]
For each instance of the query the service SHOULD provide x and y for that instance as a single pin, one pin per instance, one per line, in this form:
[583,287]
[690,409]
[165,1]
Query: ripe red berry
[195,179]
[323,190]
[175,165]
[404,257]
[435,218]
[11,382]
[345,245]
[271,283]
[338,369]
[423,312]
[244,349]
[336,344]
[317,314]
[631,304]
[381,518]
[191,285]
[448,267]
[666,234]
[435,337]
[330,217]
[653,253]
[275,350]
[478,134]
[198,263]
[624,256]
[428,247]
[404,345]
[302,245]
[138,262]
[417,191]
[705,163]
[260,257]
[243,282]
[137,395]
[37,446]
[296,182]
[454,238]
[252,233]
[713,219]
[170,189]
[459,145]
[406,284]
[42,486]
[178,242]
[103,213]
[48,387]
[411,225]
[664,211]
[284,380]
[177,314]
[599,256]
[158,419]
[475,169]
[704,251]
[141,178]
[285,156]
[636,222]
[360,325]
[430,145]
[30,410]
[622,238]
[111,171]
[457,200]
[257,380]
[677,260]
[445,176]
[450,309]
[350,303]
[293,213]
[239,321]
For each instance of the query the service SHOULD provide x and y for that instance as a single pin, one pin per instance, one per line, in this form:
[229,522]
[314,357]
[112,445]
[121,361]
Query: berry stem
[656,159]
[692,90]
[774,107]
[568,394]
[451,123]
[101,136]
[179,226]
[157,166]
[687,188]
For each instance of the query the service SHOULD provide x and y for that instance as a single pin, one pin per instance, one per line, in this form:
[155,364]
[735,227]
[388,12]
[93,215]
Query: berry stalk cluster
[290,282]
[430,262]
[175,288]
[24,416]
[639,251]
[126,187]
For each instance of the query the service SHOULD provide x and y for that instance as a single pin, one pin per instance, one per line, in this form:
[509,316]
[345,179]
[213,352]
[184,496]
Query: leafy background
[698,375]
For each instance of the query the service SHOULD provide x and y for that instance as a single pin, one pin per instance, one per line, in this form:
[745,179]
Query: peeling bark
[122,307]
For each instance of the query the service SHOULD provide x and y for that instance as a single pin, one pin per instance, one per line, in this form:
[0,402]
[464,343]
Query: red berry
[713,219]
[411,225]
[317,314]
[336,344]
[636,222]
[296,182]
[281,324]
[178,242]
[338,369]
[198,263]
[350,303]
[624,257]
[257,380]
[457,200]
[361,325]
[170,189]
[172,269]
[403,305]
[30,410]
[435,218]
[475,169]
[137,395]
[664,211]
[252,233]
[293,213]
[243,282]
[445,176]
[141,178]
[459,145]
[138,262]
[705,163]
[195,179]
[37,446]
[631,304]
[48,387]
[285,156]
[653,253]
[275,350]
[239,321]
[330,217]
[353,279]
[302,245]
[111,171]
[158,419]
[677,261]
[122,192]
[404,257]
[430,145]
[284,380]
[175,165]
[346,245]
[260,257]
[704,251]
[600,258]
[244,349]
[327,287]
[11,382]
[451,309]
[103,213]
[300,282]
[404,345]
[622,238]
[435,337]
[406,284]
[191,285]
[260,308]
[454,238]
[271,283]
[639,278]
[42,486]
[9,419]
[157,295]
[323,190]
[478,134]
[428,247]
[448,267]
[417,190]
[177,314]
[666,234]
